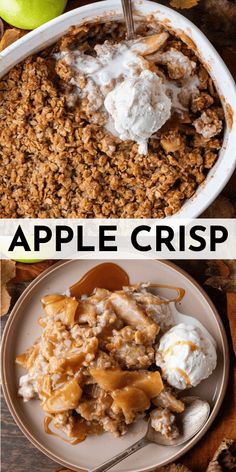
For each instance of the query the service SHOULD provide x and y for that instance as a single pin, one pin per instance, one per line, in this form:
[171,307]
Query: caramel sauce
[180,292]
[64,398]
[193,347]
[48,420]
[184,375]
[131,399]
[112,277]
[107,275]
[22,360]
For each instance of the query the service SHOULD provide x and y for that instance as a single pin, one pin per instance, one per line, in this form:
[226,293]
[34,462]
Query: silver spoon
[179,317]
[190,422]
[129,20]
[189,320]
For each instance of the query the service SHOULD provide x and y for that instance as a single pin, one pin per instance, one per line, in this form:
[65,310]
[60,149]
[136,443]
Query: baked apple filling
[91,366]
[100,362]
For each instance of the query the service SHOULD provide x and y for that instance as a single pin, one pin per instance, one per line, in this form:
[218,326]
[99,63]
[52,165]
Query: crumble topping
[58,160]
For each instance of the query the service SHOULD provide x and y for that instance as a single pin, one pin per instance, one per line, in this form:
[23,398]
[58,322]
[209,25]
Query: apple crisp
[93,368]
[59,157]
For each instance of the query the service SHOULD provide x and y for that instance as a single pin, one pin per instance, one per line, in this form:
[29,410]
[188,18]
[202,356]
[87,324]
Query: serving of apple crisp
[98,126]
[99,364]
[90,368]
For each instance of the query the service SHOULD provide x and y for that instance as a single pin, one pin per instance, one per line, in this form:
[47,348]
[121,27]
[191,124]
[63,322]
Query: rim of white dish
[47,452]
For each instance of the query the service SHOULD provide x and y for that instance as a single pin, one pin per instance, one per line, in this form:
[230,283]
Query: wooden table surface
[18,454]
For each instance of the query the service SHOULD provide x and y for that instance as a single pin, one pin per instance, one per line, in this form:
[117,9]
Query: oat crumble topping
[58,162]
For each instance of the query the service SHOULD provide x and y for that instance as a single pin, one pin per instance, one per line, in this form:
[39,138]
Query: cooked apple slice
[111,379]
[64,398]
[49,299]
[149,44]
[72,362]
[86,313]
[44,386]
[61,306]
[131,401]
[27,359]
[114,379]
[127,309]
[148,382]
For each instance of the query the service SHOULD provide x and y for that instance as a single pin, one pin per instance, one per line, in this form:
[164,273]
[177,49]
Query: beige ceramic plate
[22,329]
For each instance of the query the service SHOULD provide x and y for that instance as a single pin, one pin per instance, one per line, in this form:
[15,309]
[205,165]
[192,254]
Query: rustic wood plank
[18,454]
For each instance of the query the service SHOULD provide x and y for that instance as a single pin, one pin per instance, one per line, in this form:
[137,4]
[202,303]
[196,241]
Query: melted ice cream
[134,98]
[139,107]
[132,101]
[186,356]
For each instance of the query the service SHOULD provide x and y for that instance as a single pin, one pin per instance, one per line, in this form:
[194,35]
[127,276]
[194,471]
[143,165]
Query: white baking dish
[51,31]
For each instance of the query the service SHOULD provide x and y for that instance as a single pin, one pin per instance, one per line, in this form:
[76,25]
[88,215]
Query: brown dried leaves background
[1,29]
[10,36]
[224,459]
[183,4]
[222,275]
[8,272]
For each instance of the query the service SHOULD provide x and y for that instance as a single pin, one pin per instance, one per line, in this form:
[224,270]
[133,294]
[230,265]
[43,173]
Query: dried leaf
[224,459]
[231,310]
[8,272]
[10,36]
[182,4]
[1,28]
[222,275]
[222,207]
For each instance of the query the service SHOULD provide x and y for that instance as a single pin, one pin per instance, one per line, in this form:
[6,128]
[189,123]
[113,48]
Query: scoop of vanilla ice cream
[138,107]
[186,356]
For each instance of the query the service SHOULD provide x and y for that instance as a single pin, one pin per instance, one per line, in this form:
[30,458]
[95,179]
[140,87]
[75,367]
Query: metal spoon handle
[121,456]
[129,20]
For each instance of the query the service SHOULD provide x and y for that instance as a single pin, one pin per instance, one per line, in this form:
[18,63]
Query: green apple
[19,255]
[29,14]
[30,261]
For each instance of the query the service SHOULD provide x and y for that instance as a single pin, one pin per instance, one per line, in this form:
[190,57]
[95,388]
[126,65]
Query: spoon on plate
[129,20]
[190,422]
[177,316]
